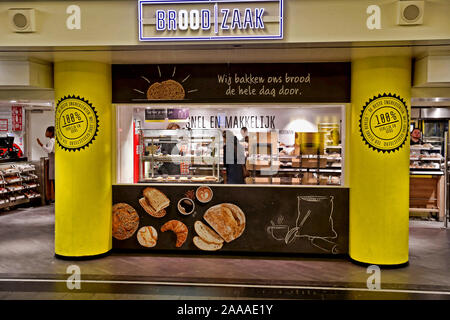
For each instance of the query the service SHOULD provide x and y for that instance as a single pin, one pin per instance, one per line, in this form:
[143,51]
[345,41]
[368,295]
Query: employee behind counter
[170,168]
[233,159]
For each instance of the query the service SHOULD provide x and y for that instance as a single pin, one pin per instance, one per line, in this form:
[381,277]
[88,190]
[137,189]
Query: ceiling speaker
[410,12]
[22,20]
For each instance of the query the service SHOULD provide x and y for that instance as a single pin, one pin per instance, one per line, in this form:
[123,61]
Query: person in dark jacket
[170,168]
[233,158]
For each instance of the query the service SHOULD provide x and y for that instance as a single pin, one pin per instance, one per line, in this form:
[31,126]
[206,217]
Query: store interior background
[430,94]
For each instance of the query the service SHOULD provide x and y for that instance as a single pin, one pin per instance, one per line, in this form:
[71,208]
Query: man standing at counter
[416,136]
[233,158]
[49,148]
[170,149]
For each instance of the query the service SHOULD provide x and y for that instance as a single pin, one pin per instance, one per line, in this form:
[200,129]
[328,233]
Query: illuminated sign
[193,20]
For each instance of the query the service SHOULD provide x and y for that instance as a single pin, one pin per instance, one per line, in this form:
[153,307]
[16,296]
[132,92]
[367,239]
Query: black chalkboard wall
[274,82]
[311,220]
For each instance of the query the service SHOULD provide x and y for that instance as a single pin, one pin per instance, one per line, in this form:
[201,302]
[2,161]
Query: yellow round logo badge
[384,123]
[76,123]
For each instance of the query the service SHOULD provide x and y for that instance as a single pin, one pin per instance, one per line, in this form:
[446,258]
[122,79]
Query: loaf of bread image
[166,90]
[206,233]
[206,246]
[147,236]
[227,219]
[179,228]
[154,202]
[125,221]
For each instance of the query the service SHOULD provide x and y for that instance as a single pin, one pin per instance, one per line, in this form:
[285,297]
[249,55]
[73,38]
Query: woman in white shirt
[49,147]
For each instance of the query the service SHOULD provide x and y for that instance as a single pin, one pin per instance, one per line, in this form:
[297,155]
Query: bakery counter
[227,219]
[182,179]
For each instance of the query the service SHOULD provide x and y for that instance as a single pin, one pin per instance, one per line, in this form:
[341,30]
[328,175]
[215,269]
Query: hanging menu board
[155,115]
[275,82]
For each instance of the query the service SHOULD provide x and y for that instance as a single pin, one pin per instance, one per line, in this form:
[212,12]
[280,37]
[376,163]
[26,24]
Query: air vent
[410,12]
[22,20]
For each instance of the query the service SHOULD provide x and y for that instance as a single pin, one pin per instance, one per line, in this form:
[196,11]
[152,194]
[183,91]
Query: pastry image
[166,90]
[206,233]
[179,228]
[227,219]
[186,206]
[147,236]
[204,194]
[154,202]
[125,221]
[206,246]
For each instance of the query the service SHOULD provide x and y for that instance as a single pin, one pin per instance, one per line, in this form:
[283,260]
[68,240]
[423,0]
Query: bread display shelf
[424,159]
[183,179]
[326,170]
[178,159]
[31,186]
[292,181]
[10,173]
[291,166]
[13,181]
[423,209]
[33,196]
[413,148]
[12,202]
[427,180]
[28,178]
[13,191]
[156,156]
[431,172]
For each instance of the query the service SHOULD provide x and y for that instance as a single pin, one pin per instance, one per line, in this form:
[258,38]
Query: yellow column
[83,158]
[379,166]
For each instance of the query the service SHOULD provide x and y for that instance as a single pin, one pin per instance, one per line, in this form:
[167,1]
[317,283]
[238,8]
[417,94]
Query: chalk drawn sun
[166,90]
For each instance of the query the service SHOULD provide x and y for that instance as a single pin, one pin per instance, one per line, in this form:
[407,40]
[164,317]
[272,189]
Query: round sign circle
[76,123]
[384,123]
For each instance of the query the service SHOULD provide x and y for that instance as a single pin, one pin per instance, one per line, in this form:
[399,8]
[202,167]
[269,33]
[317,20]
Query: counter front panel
[252,219]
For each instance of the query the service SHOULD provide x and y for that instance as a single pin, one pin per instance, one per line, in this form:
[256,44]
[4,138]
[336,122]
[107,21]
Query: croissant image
[179,228]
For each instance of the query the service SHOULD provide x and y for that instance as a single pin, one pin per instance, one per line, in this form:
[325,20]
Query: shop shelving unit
[18,184]
[427,180]
[201,166]
[296,169]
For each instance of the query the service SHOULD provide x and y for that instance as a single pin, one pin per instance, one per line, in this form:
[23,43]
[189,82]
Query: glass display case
[181,156]
[308,162]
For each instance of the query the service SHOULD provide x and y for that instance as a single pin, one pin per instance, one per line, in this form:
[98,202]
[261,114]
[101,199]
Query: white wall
[37,124]
[124,134]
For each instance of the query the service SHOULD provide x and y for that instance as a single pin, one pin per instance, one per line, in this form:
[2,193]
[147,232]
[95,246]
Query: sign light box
[192,20]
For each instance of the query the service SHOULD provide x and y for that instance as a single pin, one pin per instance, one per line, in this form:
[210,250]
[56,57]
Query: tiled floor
[27,252]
